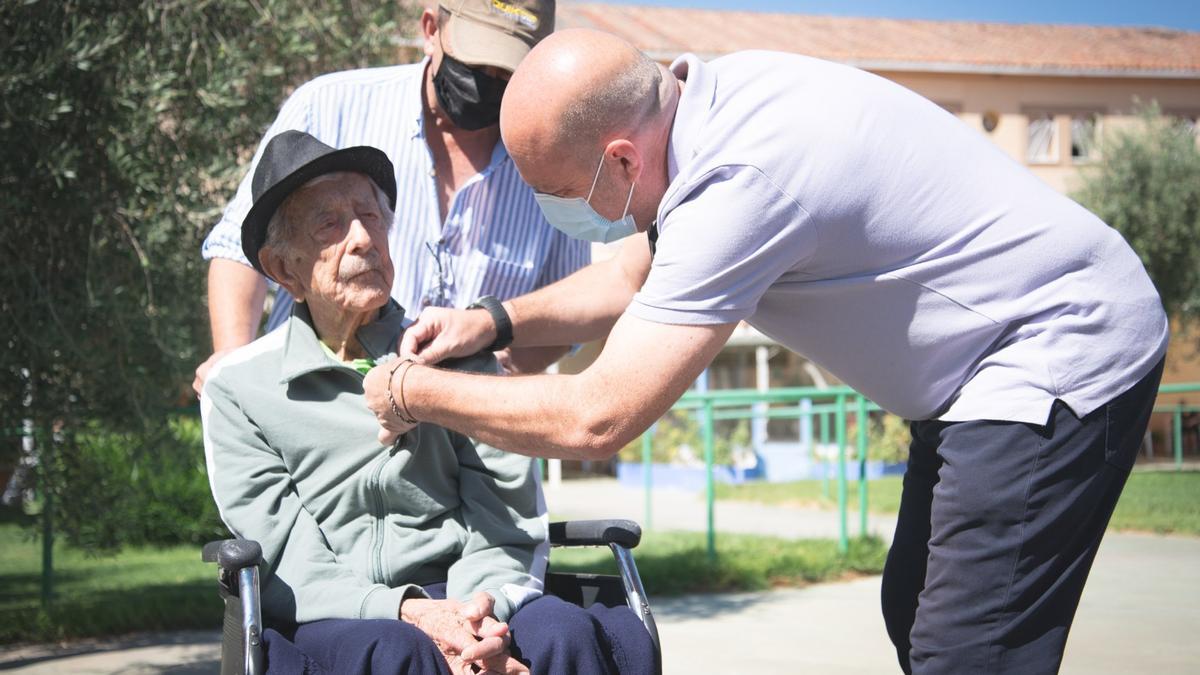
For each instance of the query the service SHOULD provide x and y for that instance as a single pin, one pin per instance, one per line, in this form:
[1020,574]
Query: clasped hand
[467,634]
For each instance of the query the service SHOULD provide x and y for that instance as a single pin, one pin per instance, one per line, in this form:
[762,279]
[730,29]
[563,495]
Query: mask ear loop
[596,179]
[629,200]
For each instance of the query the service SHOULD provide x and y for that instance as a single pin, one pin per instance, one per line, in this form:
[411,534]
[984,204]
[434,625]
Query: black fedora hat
[290,160]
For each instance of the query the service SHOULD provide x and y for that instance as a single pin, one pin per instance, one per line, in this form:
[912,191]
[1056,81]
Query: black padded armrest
[232,554]
[595,533]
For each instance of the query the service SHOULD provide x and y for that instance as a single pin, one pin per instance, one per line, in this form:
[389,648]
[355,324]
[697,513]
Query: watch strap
[504,328]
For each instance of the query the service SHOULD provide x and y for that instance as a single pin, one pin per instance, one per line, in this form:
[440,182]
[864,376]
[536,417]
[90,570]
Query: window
[1085,137]
[1043,139]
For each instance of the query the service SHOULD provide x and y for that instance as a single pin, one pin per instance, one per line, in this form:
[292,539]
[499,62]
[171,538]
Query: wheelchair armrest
[233,554]
[238,575]
[625,533]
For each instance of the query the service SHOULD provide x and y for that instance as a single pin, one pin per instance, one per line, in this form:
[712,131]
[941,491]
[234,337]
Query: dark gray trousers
[999,523]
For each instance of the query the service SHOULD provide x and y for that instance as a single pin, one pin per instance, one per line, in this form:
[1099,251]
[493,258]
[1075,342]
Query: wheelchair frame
[238,577]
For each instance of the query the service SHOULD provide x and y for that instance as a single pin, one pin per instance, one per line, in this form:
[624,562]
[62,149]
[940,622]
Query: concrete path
[1139,614]
[175,653]
[678,510]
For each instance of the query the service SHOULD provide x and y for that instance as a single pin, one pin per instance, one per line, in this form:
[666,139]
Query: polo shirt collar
[699,92]
[302,352]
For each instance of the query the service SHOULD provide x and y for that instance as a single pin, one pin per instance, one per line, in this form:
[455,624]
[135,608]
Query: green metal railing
[838,403]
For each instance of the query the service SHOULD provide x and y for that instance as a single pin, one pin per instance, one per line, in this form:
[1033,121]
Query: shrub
[1147,186]
[679,439]
[125,127]
[148,488]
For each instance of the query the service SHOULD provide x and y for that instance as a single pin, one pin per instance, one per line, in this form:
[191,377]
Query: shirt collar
[692,112]
[415,112]
[302,352]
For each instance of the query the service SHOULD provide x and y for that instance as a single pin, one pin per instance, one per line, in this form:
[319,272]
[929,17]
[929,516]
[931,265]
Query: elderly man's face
[339,249]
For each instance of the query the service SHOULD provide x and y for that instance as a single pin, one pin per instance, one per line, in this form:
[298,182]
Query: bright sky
[1179,14]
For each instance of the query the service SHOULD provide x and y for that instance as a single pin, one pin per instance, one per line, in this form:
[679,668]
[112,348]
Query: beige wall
[1013,98]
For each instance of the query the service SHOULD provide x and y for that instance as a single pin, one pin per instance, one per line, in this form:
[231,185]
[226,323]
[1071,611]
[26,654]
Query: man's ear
[627,153]
[277,268]
[429,29]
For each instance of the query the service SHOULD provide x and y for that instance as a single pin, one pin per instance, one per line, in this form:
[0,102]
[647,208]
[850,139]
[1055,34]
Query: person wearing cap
[863,227]
[468,226]
[425,555]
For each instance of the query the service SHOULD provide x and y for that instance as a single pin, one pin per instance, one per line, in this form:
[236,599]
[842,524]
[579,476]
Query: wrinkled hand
[441,333]
[203,369]
[470,641]
[479,612]
[375,391]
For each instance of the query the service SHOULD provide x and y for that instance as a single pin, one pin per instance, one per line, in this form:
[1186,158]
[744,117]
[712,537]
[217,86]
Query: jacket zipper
[377,497]
[375,487]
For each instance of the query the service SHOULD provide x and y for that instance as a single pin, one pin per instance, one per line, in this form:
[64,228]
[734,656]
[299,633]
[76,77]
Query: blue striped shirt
[494,240]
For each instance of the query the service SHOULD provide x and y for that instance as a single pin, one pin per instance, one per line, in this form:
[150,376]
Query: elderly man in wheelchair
[428,556]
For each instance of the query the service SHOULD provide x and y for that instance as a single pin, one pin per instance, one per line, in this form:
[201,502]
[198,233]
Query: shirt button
[432,172]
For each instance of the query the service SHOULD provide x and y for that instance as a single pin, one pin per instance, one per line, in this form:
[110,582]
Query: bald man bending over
[864,227]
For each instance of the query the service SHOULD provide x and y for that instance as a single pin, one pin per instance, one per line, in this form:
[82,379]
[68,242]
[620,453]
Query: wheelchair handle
[233,554]
[625,533]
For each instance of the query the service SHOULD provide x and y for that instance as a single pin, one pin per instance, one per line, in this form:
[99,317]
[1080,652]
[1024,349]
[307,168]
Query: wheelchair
[238,585]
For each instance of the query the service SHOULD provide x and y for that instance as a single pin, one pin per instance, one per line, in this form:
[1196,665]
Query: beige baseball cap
[495,32]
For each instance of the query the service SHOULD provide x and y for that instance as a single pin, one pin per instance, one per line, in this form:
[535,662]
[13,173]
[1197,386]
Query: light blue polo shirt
[874,233]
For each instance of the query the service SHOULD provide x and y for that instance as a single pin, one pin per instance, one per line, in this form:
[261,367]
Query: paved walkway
[1139,613]
[678,510]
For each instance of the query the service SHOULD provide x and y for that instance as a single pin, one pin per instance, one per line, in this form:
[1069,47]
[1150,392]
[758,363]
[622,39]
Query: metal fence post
[1177,428]
[843,538]
[863,428]
[824,464]
[44,463]
[709,488]
[648,470]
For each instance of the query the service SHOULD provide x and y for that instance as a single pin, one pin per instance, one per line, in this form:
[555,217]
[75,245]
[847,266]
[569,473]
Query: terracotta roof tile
[884,44]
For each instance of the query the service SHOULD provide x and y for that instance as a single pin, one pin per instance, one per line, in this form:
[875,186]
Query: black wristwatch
[504,332]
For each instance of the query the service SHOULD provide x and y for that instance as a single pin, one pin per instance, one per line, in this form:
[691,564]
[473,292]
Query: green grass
[1153,501]
[883,495]
[137,589]
[1160,502]
[671,563]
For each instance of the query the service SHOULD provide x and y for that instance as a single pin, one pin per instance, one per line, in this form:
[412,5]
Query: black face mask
[469,97]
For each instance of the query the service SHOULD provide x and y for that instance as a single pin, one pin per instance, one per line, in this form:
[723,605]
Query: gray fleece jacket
[349,528]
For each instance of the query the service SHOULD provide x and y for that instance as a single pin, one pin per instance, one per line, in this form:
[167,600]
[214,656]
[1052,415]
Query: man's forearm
[532,360]
[643,369]
[236,294]
[584,306]
[535,415]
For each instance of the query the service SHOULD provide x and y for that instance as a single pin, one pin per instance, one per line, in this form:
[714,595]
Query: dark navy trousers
[549,635]
[999,523]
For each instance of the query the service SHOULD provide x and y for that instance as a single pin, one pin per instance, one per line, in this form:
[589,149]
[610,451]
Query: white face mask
[576,218]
